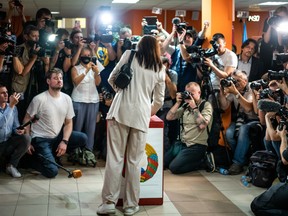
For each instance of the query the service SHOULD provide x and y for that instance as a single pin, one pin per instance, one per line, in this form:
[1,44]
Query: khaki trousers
[120,138]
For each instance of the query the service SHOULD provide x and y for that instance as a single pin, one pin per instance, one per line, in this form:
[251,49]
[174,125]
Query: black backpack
[262,168]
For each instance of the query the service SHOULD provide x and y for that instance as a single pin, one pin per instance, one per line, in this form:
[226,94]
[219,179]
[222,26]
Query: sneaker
[210,163]
[11,170]
[131,210]
[235,169]
[105,209]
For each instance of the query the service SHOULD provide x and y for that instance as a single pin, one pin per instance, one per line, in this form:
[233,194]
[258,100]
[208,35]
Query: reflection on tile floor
[196,193]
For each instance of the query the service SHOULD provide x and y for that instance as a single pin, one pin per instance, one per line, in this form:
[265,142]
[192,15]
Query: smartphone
[94,60]
[151,20]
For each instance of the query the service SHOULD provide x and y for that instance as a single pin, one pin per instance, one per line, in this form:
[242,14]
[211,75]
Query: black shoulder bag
[124,76]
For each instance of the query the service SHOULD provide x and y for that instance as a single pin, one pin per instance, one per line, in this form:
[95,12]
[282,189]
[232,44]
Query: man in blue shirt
[13,142]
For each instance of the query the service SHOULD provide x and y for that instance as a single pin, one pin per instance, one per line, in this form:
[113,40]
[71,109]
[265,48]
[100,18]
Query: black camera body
[277,95]
[281,58]
[227,82]
[104,38]
[197,54]
[68,44]
[258,84]
[185,95]
[5,38]
[283,113]
[274,20]
[127,45]
[106,94]
[277,75]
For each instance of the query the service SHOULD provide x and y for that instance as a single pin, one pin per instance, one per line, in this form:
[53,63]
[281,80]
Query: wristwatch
[237,96]
[68,56]
[181,42]
[65,141]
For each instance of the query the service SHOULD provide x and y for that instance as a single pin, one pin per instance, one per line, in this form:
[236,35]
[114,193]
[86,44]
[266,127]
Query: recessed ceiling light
[125,1]
[272,3]
[55,12]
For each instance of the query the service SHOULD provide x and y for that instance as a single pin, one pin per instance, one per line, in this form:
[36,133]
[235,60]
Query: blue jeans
[182,159]
[47,148]
[273,146]
[240,145]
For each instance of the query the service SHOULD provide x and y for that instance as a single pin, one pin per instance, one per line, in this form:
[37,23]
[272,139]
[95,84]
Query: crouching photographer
[236,89]
[189,153]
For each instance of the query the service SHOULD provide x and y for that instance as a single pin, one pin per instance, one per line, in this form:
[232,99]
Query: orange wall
[134,18]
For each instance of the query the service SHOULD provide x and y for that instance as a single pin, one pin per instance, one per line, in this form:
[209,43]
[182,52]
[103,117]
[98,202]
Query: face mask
[85,59]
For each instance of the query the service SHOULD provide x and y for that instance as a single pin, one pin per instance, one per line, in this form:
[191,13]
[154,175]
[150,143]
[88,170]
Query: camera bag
[262,168]
[124,76]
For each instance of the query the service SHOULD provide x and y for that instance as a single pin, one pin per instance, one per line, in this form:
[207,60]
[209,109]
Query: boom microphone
[267,105]
[33,120]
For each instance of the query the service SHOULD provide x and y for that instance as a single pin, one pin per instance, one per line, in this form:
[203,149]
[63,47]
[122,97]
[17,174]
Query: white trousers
[121,138]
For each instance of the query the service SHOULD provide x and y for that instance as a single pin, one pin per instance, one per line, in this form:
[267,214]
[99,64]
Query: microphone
[74,173]
[176,20]
[267,105]
[33,120]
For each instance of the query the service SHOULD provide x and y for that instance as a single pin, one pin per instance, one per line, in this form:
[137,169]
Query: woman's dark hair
[148,53]
[250,40]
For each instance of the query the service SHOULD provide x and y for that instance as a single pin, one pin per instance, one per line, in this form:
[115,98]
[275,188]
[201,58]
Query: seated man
[189,153]
[52,134]
[237,133]
[13,142]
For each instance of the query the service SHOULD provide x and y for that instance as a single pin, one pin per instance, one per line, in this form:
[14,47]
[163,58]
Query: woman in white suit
[128,122]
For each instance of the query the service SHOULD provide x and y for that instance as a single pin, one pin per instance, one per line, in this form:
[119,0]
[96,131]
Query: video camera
[227,82]
[180,26]
[129,44]
[198,55]
[258,84]
[5,38]
[281,58]
[274,20]
[277,75]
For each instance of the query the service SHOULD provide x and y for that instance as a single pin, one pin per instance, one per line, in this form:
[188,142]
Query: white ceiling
[88,8]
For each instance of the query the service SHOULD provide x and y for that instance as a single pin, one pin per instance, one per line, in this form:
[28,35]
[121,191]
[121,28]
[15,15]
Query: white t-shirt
[227,59]
[52,113]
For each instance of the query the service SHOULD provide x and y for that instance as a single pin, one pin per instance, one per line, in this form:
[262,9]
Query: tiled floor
[196,193]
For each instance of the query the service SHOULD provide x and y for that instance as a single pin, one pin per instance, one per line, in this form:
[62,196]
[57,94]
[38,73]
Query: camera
[5,38]
[185,95]
[106,94]
[281,58]
[258,84]
[104,38]
[68,44]
[127,45]
[180,26]
[274,20]
[277,75]
[277,95]
[197,54]
[227,82]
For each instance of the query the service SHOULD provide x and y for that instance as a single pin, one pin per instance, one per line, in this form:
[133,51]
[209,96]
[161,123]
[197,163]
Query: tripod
[210,94]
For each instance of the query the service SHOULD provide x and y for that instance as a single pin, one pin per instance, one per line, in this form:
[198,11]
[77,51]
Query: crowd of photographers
[224,78]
